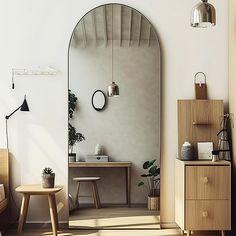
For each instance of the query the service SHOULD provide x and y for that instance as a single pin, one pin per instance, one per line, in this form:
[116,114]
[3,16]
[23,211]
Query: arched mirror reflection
[114,155]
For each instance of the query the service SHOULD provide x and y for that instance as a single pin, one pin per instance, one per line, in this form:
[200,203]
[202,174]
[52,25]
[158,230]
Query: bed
[4,180]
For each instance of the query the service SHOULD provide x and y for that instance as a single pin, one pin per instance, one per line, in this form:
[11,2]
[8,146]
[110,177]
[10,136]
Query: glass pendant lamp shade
[203,15]
[113,90]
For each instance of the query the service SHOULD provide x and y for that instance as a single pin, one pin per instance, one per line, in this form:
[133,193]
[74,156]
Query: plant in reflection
[152,177]
[74,136]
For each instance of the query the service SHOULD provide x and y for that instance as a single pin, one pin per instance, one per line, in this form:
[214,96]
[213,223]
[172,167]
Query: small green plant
[152,177]
[74,136]
[47,171]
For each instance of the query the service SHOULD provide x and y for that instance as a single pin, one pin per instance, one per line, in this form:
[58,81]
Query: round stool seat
[86,179]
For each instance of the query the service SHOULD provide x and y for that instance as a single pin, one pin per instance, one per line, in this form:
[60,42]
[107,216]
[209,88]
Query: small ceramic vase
[187,152]
[98,149]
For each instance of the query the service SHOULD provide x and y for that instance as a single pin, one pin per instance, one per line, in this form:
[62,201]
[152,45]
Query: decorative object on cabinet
[215,155]
[73,135]
[223,144]
[113,88]
[38,71]
[99,100]
[198,121]
[200,86]
[99,150]
[204,150]
[96,158]
[5,180]
[200,186]
[203,15]
[23,107]
[153,183]
[188,152]
[48,178]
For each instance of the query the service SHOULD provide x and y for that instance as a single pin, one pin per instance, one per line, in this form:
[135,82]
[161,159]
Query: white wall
[37,32]
[129,126]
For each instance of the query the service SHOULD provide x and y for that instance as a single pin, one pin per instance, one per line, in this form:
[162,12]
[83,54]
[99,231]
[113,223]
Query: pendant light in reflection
[203,15]
[113,88]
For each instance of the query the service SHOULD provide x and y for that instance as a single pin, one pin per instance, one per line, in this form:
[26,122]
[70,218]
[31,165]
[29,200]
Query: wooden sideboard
[203,195]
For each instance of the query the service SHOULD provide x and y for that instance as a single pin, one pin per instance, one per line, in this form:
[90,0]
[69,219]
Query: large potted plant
[152,177]
[74,136]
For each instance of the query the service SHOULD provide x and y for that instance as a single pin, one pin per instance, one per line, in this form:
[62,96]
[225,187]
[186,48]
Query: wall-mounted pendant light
[203,15]
[113,88]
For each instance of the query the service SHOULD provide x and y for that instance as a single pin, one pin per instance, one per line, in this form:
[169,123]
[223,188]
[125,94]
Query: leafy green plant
[74,136]
[47,171]
[72,103]
[152,177]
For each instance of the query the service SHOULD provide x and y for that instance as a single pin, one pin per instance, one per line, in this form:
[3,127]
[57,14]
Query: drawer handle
[205,214]
[205,180]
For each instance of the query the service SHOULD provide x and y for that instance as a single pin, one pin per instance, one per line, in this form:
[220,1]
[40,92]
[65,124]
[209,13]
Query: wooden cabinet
[199,121]
[203,195]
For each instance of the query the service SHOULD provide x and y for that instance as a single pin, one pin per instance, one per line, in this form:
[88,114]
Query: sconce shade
[113,90]
[24,106]
[203,15]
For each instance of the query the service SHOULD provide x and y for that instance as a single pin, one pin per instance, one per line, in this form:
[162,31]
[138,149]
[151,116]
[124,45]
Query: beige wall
[37,33]
[232,97]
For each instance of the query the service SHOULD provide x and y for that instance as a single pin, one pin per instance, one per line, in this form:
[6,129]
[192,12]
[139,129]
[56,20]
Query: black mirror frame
[105,100]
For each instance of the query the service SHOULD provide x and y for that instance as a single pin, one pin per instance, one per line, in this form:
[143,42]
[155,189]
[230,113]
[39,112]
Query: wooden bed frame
[4,179]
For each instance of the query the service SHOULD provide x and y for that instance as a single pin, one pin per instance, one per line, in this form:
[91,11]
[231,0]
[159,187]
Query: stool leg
[77,195]
[53,213]
[96,195]
[23,212]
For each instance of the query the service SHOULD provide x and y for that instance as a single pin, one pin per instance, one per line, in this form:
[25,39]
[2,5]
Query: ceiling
[129,27]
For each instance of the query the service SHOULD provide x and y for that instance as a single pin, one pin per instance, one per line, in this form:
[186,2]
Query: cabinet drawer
[207,182]
[208,215]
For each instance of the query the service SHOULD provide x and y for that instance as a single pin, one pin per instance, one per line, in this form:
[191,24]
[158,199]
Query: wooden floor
[167,232]
[115,218]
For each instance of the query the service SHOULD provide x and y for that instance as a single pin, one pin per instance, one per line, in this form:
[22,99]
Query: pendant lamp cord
[112,42]
[7,134]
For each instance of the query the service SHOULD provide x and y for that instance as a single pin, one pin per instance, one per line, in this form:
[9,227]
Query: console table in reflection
[112,164]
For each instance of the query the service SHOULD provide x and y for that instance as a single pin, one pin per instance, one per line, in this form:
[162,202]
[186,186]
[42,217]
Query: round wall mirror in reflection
[98,100]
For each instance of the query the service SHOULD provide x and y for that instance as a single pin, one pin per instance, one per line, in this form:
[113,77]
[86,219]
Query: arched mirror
[98,100]
[114,159]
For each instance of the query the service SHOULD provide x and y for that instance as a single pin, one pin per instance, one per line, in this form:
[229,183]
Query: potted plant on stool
[153,183]
[48,178]
[74,136]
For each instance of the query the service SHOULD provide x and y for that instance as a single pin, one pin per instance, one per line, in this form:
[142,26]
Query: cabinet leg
[188,232]
[181,232]
[222,233]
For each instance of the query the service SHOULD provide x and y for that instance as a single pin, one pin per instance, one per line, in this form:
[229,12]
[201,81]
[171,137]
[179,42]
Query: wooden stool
[27,191]
[92,180]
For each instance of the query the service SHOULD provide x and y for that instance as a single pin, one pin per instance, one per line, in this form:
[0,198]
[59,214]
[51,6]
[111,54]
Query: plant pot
[48,180]
[72,157]
[153,203]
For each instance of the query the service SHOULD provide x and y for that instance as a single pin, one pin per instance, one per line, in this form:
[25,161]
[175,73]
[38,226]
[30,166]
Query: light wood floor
[115,218]
[167,232]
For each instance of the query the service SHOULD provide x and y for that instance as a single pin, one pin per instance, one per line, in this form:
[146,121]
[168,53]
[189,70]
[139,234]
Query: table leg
[53,213]
[128,185]
[23,212]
